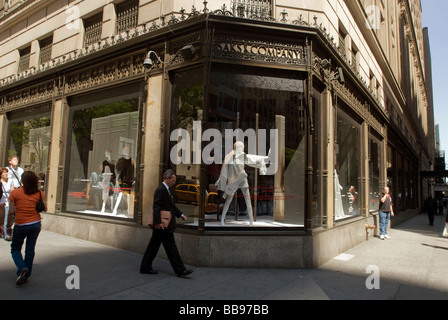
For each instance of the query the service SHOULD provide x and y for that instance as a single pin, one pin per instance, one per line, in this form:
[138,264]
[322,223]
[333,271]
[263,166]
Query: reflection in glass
[30,141]
[186,115]
[374,173]
[267,104]
[347,167]
[102,174]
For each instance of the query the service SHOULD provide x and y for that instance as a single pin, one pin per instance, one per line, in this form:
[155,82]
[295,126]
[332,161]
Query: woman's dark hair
[30,182]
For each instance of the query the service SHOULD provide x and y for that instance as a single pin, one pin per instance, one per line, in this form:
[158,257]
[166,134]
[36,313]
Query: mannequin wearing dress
[108,173]
[125,169]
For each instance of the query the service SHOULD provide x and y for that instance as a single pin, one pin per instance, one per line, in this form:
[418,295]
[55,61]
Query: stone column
[327,158]
[364,182]
[59,118]
[279,188]
[152,144]
[3,136]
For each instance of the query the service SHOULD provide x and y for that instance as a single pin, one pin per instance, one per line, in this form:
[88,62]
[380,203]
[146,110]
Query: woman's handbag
[40,205]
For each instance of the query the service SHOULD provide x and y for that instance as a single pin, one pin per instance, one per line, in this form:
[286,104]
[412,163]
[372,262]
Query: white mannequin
[338,208]
[107,175]
[234,177]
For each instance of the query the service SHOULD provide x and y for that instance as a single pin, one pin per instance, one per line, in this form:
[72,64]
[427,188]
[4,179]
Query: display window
[374,172]
[186,113]
[247,134]
[29,139]
[102,151]
[347,172]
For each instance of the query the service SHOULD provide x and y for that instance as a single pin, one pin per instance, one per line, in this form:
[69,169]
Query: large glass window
[374,172]
[261,114]
[185,148]
[29,139]
[101,161]
[347,168]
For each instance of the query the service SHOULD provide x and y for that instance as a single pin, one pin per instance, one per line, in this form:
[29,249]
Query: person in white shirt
[15,172]
[7,186]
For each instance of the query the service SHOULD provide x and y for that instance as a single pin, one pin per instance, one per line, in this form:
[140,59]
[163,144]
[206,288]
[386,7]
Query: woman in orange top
[27,226]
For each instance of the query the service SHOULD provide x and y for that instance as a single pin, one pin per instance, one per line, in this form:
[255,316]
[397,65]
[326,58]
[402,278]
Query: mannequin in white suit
[233,176]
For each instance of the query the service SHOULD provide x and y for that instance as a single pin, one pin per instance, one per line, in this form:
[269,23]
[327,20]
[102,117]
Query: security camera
[148,63]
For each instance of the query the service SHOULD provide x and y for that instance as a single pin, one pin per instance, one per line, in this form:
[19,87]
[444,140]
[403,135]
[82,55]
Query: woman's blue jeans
[5,225]
[384,222]
[20,233]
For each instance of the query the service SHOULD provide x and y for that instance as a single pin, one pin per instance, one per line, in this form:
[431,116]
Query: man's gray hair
[168,174]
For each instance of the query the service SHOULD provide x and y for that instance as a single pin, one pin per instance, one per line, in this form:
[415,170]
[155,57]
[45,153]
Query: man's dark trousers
[166,238]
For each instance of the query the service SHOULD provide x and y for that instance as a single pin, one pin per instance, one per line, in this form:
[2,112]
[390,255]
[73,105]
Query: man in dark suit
[163,200]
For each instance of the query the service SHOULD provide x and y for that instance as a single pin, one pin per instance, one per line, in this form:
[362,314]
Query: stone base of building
[288,251]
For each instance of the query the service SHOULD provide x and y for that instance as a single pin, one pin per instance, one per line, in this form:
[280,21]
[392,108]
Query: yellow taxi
[187,193]
[212,203]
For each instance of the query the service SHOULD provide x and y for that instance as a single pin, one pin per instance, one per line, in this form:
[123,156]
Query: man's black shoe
[186,272]
[149,272]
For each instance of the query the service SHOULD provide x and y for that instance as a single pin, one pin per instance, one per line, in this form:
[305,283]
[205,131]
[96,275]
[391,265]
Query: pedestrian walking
[6,186]
[430,209]
[385,212]
[15,172]
[163,201]
[22,202]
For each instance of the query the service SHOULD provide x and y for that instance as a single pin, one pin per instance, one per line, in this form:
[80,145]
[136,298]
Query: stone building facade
[101,97]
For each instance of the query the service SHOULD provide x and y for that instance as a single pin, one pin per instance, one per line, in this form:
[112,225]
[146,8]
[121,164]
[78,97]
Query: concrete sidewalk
[412,265]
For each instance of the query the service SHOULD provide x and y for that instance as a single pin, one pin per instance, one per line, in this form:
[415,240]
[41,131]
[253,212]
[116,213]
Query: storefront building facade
[110,95]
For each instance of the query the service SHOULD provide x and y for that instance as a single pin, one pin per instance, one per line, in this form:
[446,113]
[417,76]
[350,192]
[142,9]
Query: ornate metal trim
[43,92]
[106,73]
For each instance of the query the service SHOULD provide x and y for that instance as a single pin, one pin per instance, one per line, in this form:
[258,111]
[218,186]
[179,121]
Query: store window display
[186,116]
[347,167]
[102,153]
[374,172]
[267,108]
[263,110]
[29,139]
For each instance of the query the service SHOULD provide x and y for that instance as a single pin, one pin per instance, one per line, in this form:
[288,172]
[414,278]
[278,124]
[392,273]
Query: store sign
[259,50]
